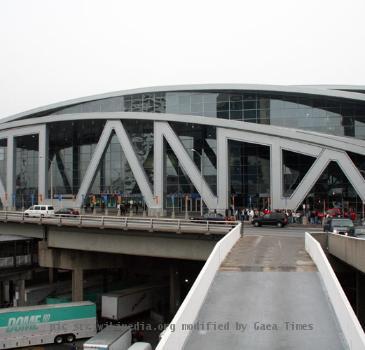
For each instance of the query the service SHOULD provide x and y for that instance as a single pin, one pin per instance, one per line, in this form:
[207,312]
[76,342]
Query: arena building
[175,147]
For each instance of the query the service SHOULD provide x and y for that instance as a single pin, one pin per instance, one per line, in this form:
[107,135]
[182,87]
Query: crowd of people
[314,217]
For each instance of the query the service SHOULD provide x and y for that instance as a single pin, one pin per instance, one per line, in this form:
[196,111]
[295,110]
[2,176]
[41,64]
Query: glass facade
[333,190]
[249,174]
[26,171]
[114,176]
[334,116]
[73,143]
[359,161]
[71,146]
[199,141]
[295,166]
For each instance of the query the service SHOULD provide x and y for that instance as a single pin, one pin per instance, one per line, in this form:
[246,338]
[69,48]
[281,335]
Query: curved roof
[334,91]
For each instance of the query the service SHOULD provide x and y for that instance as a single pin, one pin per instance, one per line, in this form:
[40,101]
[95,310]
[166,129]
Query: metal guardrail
[123,223]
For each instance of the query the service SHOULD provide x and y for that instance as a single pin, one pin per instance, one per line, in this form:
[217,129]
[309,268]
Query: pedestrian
[251,214]
[243,211]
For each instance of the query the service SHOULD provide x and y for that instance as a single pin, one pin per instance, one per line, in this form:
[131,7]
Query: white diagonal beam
[351,172]
[188,165]
[94,163]
[312,176]
[134,163]
[126,144]
[308,181]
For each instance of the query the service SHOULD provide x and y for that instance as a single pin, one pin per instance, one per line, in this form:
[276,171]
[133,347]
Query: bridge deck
[267,295]
[124,223]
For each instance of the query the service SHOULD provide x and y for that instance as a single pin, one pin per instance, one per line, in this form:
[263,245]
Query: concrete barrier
[347,319]
[348,249]
[174,337]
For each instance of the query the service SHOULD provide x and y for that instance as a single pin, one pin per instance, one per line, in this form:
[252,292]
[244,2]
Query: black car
[341,226]
[67,212]
[276,219]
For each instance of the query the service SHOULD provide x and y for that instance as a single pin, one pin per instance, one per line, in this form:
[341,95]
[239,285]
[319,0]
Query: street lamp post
[186,207]
[201,179]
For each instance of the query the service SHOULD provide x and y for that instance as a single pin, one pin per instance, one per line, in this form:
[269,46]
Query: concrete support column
[275,177]
[222,172]
[50,275]
[159,164]
[10,171]
[20,292]
[43,163]
[6,291]
[360,302]
[77,284]
[174,289]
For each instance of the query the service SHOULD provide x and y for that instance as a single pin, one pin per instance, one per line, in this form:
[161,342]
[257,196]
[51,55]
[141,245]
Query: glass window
[26,171]
[321,114]
[249,174]
[295,167]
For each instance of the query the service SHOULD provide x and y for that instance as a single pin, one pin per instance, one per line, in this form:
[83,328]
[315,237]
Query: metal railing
[18,260]
[122,222]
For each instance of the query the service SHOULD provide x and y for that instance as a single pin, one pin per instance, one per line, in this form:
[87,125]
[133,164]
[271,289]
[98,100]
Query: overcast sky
[52,50]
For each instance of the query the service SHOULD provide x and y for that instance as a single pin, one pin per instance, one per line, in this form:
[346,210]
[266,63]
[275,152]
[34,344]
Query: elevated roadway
[146,236]
[267,294]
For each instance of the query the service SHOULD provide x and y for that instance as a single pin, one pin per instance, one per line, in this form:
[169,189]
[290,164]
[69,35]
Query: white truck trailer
[131,301]
[114,338]
[45,324]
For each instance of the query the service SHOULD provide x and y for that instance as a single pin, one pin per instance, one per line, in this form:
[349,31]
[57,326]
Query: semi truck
[115,337]
[45,324]
[121,304]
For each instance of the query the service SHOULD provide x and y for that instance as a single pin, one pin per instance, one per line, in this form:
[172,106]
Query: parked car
[40,211]
[210,217]
[341,226]
[67,212]
[277,219]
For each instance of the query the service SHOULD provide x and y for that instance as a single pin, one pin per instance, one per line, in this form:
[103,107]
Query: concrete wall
[173,340]
[178,246]
[74,259]
[348,249]
[322,239]
[346,317]
[26,230]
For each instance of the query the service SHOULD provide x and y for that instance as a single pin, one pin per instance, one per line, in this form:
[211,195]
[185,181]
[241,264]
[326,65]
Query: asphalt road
[288,231]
